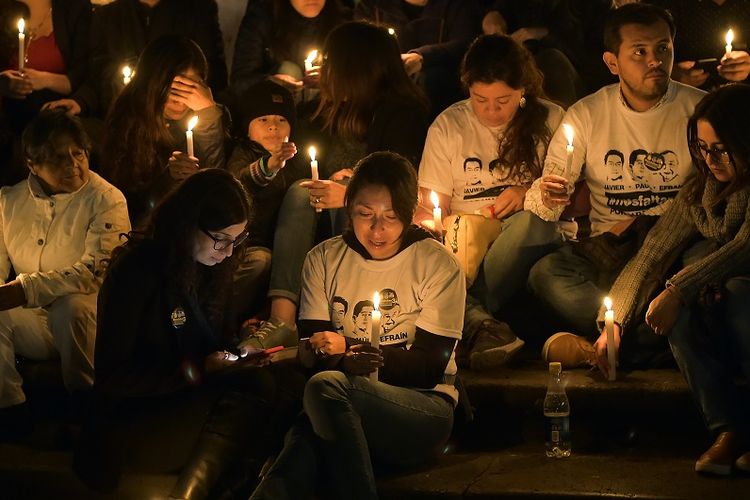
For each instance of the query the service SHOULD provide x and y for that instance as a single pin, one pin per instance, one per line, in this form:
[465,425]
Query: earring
[522,102]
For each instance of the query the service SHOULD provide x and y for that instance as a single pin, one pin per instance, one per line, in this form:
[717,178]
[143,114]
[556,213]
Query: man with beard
[647,111]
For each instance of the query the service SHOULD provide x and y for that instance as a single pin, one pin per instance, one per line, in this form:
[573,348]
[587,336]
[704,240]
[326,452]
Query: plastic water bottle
[556,415]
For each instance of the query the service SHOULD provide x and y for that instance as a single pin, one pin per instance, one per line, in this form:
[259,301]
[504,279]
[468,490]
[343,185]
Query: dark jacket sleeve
[422,365]
[72,22]
[251,62]
[400,126]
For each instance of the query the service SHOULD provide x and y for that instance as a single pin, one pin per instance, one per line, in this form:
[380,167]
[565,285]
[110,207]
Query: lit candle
[437,214]
[189,135]
[310,60]
[609,327]
[314,175]
[375,332]
[391,32]
[729,39]
[127,74]
[21,44]
[568,130]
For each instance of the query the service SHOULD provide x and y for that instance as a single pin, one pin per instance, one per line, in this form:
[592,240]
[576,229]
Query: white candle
[391,32]
[609,327]
[314,175]
[310,60]
[189,135]
[127,74]
[437,214]
[729,39]
[21,44]
[568,130]
[375,332]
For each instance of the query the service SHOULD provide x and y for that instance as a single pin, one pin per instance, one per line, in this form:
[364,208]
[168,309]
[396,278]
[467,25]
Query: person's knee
[75,308]
[541,273]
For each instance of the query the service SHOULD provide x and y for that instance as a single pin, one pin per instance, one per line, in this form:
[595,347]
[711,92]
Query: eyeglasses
[718,156]
[220,244]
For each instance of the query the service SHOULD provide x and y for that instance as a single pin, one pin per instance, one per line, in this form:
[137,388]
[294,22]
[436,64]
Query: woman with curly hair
[482,154]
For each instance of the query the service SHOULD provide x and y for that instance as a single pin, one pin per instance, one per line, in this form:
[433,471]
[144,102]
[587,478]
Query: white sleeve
[443,297]
[109,221]
[313,300]
[435,170]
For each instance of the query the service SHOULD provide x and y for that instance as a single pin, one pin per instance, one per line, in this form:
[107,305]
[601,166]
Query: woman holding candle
[406,416]
[168,395]
[144,145]
[703,308]
[367,103]
[55,38]
[481,155]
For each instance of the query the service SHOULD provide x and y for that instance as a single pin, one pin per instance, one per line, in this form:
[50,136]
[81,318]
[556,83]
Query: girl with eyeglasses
[168,393]
[703,307]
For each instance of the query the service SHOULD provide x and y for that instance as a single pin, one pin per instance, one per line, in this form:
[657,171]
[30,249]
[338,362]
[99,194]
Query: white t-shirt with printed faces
[419,287]
[633,162]
[460,158]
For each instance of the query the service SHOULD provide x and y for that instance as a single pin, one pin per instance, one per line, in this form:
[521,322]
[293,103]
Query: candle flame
[568,131]
[376,300]
[127,72]
[391,32]
[192,123]
[311,57]
[730,37]
[434,199]
[311,151]
[608,303]
[21,25]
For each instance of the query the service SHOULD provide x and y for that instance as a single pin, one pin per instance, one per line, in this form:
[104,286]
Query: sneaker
[571,350]
[743,463]
[271,333]
[719,458]
[495,344]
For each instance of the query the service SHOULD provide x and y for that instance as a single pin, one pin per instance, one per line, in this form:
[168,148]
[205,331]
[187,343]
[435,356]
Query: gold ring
[317,200]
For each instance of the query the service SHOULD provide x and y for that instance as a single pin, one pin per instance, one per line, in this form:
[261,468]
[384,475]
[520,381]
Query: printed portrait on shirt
[473,171]
[637,167]
[339,308]
[669,169]
[389,307]
[362,319]
[614,161]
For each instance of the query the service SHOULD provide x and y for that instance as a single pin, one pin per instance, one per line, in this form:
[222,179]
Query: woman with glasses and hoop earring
[169,395]
[703,306]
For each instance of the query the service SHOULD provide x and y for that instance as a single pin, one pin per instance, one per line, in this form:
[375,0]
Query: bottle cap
[555,368]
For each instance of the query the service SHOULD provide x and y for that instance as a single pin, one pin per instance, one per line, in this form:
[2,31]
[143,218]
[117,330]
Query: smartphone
[708,65]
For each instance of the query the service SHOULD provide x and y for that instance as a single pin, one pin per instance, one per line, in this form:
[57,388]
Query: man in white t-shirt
[643,119]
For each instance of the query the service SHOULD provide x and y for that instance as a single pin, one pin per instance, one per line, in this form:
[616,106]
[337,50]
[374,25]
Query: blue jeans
[567,284]
[296,228]
[349,421]
[523,239]
[705,358]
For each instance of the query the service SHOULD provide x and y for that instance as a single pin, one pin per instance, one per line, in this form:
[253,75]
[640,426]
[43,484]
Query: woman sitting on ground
[703,308]
[482,154]
[169,394]
[402,413]
[144,145]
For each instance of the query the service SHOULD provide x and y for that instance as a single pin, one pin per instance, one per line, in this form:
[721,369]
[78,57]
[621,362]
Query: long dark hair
[210,200]
[498,58]
[282,43]
[137,142]
[362,65]
[726,109]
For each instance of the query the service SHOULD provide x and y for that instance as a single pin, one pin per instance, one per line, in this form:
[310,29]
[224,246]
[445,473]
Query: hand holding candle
[189,135]
[310,60]
[21,44]
[375,332]
[314,175]
[609,326]
[437,214]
